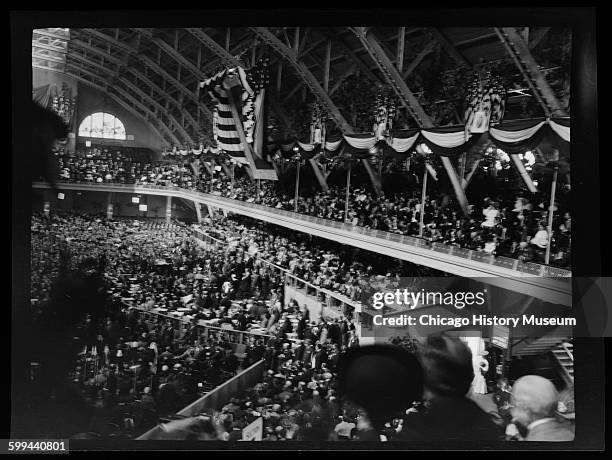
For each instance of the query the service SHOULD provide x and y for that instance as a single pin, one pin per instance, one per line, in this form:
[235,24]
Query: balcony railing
[468,254]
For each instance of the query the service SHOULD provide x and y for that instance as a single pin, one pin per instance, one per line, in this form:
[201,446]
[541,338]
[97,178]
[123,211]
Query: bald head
[534,398]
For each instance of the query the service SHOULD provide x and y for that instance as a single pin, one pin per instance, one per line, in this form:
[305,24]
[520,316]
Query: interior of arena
[215,204]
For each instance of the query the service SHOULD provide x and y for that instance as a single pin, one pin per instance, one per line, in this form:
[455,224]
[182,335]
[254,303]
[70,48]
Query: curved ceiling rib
[213,46]
[122,64]
[111,75]
[153,66]
[305,74]
[122,103]
[229,60]
[160,68]
[129,98]
[393,77]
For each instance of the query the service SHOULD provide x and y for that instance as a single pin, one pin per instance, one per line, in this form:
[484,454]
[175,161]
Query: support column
[523,172]
[226,169]
[459,193]
[466,181]
[168,209]
[319,175]
[422,208]
[551,211]
[46,208]
[375,178]
[297,185]
[198,211]
[348,193]
[276,168]
[109,205]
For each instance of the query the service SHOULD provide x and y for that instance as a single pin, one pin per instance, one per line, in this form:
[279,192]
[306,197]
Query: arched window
[102,125]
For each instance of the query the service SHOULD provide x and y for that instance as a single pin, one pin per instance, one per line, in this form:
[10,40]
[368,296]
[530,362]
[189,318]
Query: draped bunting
[514,136]
[561,130]
[333,146]
[445,140]
[306,147]
[511,136]
[360,142]
[402,145]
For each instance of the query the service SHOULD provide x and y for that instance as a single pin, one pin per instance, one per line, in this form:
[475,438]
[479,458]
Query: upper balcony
[544,282]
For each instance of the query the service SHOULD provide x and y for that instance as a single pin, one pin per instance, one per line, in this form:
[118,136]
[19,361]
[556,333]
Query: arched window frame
[102,125]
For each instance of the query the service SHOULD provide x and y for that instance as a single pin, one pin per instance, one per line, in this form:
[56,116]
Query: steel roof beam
[112,74]
[156,68]
[449,47]
[126,106]
[393,77]
[226,58]
[525,62]
[311,82]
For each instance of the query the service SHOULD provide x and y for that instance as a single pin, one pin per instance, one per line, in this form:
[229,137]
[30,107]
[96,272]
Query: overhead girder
[144,108]
[417,60]
[156,68]
[172,52]
[450,48]
[226,58]
[243,43]
[113,74]
[231,61]
[164,95]
[123,103]
[134,102]
[311,82]
[87,47]
[150,100]
[527,65]
[356,59]
[393,77]
[536,37]
[408,99]
[105,56]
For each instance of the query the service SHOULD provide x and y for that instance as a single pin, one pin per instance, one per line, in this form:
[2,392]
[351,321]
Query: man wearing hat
[318,358]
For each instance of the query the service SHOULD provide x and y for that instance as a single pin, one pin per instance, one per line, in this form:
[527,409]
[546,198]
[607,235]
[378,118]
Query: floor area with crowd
[148,351]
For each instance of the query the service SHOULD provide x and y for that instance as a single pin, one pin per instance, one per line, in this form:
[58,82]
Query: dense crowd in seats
[158,266]
[137,367]
[512,227]
[331,266]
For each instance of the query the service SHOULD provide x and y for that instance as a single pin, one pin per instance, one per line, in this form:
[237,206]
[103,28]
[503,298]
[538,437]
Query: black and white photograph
[269,227]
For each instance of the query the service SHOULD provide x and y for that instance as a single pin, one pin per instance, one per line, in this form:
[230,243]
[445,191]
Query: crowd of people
[158,266]
[340,269]
[503,226]
[137,366]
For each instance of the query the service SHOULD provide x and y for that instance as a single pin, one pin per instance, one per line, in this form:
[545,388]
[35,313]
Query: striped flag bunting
[224,126]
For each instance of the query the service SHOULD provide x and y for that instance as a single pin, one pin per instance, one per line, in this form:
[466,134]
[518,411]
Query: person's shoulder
[553,430]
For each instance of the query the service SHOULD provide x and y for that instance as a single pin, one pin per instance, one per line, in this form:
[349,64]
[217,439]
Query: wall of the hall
[91,100]
[96,203]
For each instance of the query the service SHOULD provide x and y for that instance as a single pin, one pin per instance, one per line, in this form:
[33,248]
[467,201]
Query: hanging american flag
[485,104]
[252,112]
[224,127]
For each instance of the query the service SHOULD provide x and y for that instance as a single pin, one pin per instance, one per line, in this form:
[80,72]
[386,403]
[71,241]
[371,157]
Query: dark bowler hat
[382,379]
